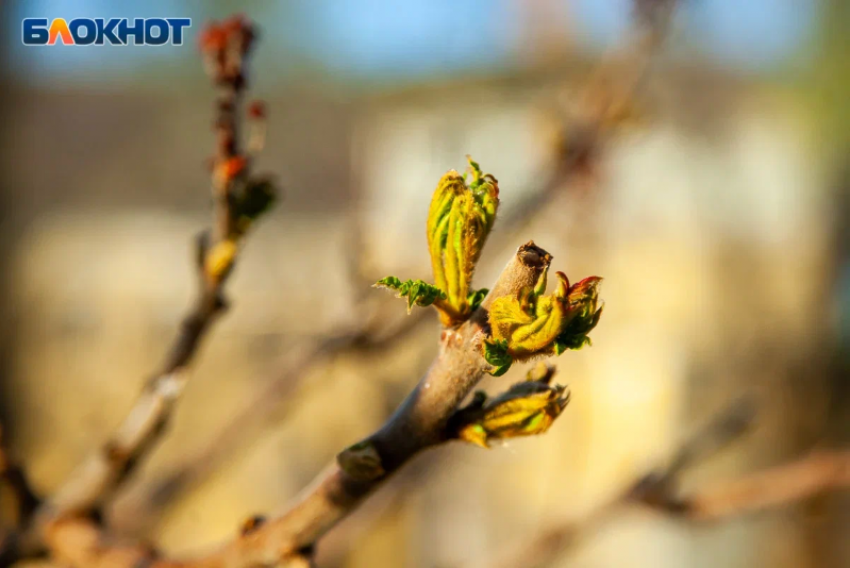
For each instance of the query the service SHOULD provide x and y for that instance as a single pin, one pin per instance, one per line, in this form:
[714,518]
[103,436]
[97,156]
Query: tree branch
[374,336]
[419,423]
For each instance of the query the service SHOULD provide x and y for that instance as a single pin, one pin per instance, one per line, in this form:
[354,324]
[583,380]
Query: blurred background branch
[236,205]
[658,489]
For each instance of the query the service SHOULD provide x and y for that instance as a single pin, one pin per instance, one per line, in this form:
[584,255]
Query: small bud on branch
[460,218]
[526,409]
[531,323]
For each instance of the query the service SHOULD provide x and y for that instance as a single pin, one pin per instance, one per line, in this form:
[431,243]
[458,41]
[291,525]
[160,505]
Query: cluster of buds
[241,197]
[224,45]
[460,218]
[531,323]
[526,409]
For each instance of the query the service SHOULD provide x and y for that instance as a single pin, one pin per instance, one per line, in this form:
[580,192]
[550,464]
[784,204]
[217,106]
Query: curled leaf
[531,323]
[496,353]
[417,292]
[476,297]
[460,218]
[526,409]
[583,300]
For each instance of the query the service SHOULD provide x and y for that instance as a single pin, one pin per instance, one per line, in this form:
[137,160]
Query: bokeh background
[717,215]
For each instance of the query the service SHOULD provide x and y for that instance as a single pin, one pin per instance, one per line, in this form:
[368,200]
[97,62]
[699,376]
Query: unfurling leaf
[417,292]
[583,300]
[531,323]
[526,409]
[496,353]
[459,220]
[476,297]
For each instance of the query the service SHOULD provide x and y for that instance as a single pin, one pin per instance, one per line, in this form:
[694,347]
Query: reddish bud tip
[231,167]
[257,109]
[213,38]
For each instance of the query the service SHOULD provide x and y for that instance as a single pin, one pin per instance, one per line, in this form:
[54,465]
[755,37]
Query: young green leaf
[476,297]
[417,292]
[496,353]
[459,220]
[260,194]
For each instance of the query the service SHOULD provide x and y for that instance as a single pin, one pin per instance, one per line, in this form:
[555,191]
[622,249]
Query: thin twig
[95,481]
[13,475]
[27,501]
[819,472]
[273,400]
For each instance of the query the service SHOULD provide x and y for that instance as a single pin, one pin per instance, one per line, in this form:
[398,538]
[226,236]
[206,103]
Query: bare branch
[658,486]
[816,473]
[374,336]
[26,502]
[13,475]
[819,472]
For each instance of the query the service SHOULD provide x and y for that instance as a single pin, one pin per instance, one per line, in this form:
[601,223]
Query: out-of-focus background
[717,215]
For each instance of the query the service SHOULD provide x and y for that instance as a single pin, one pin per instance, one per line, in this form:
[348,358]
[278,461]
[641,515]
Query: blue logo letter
[106,31]
[90,34]
[162,28]
[137,30]
[177,25]
[35,31]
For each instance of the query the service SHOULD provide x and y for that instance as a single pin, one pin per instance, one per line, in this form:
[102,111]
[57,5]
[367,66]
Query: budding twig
[238,200]
[421,422]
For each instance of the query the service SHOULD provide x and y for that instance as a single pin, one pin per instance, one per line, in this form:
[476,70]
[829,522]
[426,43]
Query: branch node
[251,524]
[361,461]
